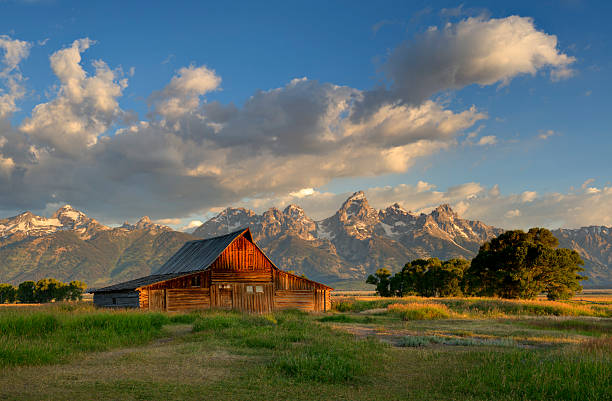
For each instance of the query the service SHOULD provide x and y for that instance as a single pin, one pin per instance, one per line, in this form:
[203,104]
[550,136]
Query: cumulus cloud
[487,140]
[192,225]
[474,51]
[11,88]
[84,108]
[512,213]
[528,196]
[192,155]
[15,51]
[182,94]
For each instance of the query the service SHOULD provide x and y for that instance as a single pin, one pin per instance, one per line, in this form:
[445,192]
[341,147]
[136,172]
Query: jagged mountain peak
[356,206]
[67,212]
[444,208]
[294,211]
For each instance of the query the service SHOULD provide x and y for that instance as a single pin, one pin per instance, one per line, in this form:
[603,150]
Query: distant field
[368,348]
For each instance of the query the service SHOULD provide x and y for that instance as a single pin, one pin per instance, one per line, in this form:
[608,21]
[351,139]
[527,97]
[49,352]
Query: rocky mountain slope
[70,246]
[594,244]
[357,239]
[343,248]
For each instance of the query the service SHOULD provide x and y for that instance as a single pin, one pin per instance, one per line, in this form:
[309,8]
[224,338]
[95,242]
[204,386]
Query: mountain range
[340,250]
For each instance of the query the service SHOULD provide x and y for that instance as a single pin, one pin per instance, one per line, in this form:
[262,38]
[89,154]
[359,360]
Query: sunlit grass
[482,307]
[420,311]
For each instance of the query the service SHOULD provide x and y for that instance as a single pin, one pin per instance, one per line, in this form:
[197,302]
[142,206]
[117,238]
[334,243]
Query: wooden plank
[157,300]
[297,299]
[188,299]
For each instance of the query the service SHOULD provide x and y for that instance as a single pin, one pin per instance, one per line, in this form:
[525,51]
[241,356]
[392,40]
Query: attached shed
[225,272]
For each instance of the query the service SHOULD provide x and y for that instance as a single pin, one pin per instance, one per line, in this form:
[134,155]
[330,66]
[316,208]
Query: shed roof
[137,282]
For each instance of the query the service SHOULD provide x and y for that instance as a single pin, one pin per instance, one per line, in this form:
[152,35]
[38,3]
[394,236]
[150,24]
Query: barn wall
[182,282]
[294,299]
[144,299]
[242,276]
[127,299]
[242,255]
[179,299]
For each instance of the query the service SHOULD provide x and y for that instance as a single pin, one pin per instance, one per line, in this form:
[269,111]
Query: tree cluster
[41,291]
[516,264]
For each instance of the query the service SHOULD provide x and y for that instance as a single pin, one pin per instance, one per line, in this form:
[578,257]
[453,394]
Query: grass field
[372,349]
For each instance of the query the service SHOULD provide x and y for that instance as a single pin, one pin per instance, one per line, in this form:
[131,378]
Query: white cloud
[191,156]
[593,190]
[424,186]
[85,106]
[586,183]
[192,225]
[182,94]
[528,196]
[474,51]
[302,193]
[546,134]
[487,140]
[14,52]
[512,213]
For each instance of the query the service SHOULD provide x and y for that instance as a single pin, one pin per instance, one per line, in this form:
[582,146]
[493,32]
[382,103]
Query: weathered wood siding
[144,299]
[294,299]
[243,256]
[180,299]
[225,285]
[182,282]
[288,281]
[127,299]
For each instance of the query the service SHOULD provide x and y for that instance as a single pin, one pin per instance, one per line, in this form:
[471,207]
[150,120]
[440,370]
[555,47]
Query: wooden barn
[225,272]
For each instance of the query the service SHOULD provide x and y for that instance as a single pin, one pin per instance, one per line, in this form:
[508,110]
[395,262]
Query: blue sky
[544,136]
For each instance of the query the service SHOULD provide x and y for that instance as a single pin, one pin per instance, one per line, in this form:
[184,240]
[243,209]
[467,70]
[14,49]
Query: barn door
[225,296]
[157,300]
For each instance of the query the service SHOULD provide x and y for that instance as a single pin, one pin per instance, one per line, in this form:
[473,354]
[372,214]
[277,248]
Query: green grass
[537,375]
[342,318]
[485,307]
[587,327]
[54,335]
[421,341]
[420,311]
[295,355]
[300,348]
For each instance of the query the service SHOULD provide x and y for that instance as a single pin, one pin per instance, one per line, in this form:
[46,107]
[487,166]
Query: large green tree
[8,293]
[25,292]
[430,278]
[520,264]
[381,281]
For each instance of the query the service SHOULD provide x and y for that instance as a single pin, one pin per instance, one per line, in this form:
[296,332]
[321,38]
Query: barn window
[259,288]
[250,258]
[249,289]
[114,301]
[195,281]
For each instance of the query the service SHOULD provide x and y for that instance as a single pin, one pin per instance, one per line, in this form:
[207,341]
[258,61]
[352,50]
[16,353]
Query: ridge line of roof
[219,236]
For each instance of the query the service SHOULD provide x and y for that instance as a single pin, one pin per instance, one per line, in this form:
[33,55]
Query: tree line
[516,264]
[41,291]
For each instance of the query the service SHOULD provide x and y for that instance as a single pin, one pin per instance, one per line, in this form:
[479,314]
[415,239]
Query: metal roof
[198,255]
[138,282]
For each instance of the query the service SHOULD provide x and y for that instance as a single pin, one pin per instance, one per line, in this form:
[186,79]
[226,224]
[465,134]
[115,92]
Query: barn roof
[198,255]
[138,282]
